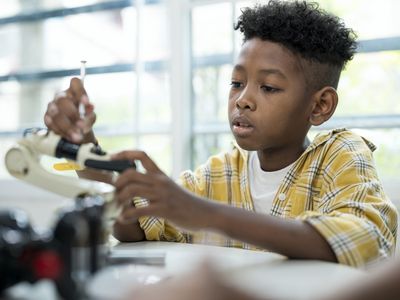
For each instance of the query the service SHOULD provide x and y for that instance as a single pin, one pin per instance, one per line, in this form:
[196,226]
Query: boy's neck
[277,159]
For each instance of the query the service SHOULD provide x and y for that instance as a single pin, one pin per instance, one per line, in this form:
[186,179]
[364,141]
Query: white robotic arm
[23,162]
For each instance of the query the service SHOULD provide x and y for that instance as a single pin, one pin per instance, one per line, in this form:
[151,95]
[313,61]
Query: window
[159,72]
[125,45]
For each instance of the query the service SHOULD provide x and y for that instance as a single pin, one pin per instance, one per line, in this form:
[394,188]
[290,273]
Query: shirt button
[282,196]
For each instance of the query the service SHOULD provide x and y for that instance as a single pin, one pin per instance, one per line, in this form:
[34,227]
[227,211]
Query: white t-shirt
[263,185]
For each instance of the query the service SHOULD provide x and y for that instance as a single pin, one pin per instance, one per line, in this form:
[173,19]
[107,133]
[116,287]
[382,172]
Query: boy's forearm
[292,238]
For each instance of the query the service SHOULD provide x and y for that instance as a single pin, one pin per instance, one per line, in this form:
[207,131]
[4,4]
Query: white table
[260,273]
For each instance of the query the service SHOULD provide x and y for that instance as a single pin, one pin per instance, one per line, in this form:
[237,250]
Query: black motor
[68,254]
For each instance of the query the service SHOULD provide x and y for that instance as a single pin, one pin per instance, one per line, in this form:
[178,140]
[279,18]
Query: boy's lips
[241,126]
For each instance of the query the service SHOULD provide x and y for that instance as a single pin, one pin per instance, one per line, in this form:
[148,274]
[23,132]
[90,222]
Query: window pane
[372,19]
[158,147]
[386,155]
[212,29]
[9,59]
[241,5]
[155,106]
[61,43]
[117,143]
[35,5]
[9,7]
[113,97]
[370,84]
[9,106]
[100,38]
[105,37]
[23,104]
[211,90]
[206,145]
[154,35]
[54,4]
[13,7]
[388,148]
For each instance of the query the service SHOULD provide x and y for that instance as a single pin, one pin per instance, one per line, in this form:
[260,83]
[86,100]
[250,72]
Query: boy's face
[269,106]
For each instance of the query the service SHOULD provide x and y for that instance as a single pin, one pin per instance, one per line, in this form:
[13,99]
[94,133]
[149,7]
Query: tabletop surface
[257,272]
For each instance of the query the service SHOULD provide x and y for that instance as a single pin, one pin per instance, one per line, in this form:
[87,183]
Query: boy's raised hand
[63,118]
[166,198]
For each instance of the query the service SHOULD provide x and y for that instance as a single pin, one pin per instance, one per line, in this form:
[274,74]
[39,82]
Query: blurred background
[158,73]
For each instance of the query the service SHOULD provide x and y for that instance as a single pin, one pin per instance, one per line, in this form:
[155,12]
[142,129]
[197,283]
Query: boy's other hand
[202,283]
[166,198]
[63,118]
[127,232]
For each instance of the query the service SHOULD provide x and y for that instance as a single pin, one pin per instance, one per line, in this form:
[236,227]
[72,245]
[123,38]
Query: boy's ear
[324,104]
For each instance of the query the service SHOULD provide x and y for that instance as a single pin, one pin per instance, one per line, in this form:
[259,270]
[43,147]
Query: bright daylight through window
[131,45]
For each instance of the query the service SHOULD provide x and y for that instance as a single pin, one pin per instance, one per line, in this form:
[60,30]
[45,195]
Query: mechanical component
[75,249]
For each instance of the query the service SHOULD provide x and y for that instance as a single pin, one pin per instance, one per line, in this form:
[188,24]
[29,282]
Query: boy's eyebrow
[278,72]
[273,72]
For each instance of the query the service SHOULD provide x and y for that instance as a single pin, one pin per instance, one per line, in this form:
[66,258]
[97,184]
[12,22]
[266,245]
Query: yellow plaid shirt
[333,186]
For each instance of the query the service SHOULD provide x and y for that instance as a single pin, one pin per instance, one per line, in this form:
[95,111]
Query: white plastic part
[23,162]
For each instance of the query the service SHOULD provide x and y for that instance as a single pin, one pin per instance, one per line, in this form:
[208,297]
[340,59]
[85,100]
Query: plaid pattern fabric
[333,186]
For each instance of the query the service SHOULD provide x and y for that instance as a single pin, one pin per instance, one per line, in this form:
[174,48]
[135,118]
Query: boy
[274,190]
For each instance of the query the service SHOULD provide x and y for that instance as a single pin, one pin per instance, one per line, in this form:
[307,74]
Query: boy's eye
[269,89]
[236,84]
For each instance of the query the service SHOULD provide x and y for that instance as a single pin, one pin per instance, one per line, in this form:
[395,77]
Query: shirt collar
[323,137]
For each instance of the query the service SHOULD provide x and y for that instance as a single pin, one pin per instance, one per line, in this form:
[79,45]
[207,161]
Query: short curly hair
[305,29]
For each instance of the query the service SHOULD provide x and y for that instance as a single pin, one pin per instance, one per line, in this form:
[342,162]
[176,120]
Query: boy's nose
[245,101]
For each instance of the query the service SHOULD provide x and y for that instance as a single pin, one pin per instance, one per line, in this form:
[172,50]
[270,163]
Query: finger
[48,119]
[78,91]
[80,96]
[63,103]
[128,204]
[50,125]
[66,106]
[133,190]
[85,100]
[133,155]
[52,109]
[67,129]
[88,122]
[132,176]
[57,120]
[136,212]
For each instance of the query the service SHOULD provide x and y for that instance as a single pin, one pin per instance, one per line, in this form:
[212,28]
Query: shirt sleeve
[159,229]
[354,215]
